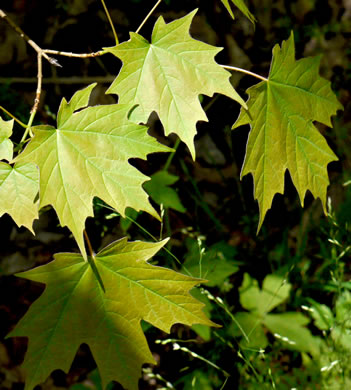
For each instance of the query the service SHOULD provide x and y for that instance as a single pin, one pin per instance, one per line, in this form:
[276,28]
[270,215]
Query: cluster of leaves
[288,326]
[87,155]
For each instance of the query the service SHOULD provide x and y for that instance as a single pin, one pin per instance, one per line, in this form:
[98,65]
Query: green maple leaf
[19,186]
[168,75]
[281,112]
[243,8]
[160,191]
[6,145]
[73,310]
[87,156]
[289,327]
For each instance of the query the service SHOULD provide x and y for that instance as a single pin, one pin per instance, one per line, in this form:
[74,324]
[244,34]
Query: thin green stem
[13,117]
[155,239]
[110,21]
[244,71]
[224,383]
[198,198]
[150,235]
[147,16]
[171,155]
[90,248]
[176,347]
[221,304]
[28,127]
[247,361]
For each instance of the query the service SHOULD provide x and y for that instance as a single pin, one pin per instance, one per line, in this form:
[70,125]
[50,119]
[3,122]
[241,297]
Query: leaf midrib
[140,285]
[280,84]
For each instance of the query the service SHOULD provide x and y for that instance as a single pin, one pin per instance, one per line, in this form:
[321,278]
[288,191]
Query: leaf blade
[6,145]
[87,157]
[167,76]
[282,136]
[73,310]
[19,186]
[243,8]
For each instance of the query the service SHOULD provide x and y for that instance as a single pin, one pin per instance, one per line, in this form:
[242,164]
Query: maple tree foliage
[290,326]
[19,184]
[100,300]
[73,309]
[86,156]
[281,112]
[168,75]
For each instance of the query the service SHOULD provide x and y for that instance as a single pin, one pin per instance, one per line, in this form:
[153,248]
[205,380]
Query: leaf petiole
[28,127]
[13,117]
[147,16]
[244,71]
[91,261]
[110,21]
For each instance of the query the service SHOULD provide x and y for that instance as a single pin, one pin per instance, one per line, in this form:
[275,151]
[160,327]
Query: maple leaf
[6,145]
[289,327]
[243,8]
[281,112]
[168,75]
[160,191]
[19,186]
[73,310]
[87,156]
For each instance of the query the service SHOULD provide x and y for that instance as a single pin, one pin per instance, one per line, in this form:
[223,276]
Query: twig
[110,21]
[38,49]
[147,16]
[58,80]
[75,55]
[39,84]
[43,53]
[244,71]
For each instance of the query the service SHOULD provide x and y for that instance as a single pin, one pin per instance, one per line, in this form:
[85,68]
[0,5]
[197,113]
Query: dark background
[321,27]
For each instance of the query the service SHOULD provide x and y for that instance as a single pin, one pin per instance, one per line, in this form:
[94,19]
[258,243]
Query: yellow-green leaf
[289,327]
[6,145]
[87,156]
[19,186]
[168,75]
[73,310]
[243,8]
[274,291]
[283,136]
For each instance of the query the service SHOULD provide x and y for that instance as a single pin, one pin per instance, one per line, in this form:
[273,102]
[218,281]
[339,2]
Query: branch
[38,49]
[42,53]
[58,80]
[76,55]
